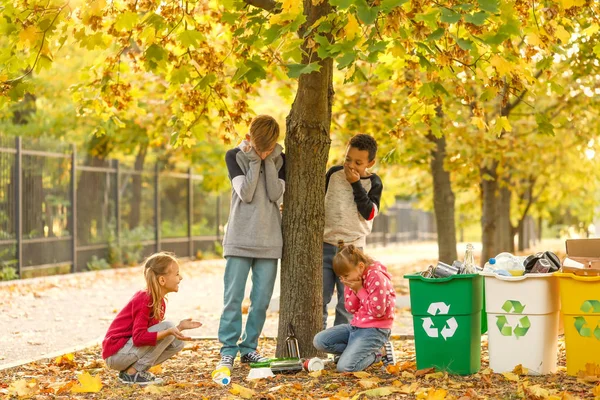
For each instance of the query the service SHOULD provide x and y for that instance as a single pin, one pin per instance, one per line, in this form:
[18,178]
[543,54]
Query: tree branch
[267,5]
[520,98]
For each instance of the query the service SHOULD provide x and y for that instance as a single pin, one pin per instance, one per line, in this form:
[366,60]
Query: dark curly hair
[364,142]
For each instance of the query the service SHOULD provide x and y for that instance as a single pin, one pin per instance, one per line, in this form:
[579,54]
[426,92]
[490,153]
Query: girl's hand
[188,324]
[355,285]
[177,333]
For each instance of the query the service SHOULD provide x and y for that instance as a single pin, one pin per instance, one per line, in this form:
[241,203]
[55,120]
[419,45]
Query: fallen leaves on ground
[187,376]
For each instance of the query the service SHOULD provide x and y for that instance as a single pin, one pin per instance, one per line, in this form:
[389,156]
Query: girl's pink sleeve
[352,302]
[374,294]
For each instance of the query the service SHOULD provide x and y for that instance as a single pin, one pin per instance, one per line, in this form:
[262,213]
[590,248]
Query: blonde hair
[156,265]
[264,132]
[348,258]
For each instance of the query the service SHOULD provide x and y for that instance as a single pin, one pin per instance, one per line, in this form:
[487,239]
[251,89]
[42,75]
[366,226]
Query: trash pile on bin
[519,301]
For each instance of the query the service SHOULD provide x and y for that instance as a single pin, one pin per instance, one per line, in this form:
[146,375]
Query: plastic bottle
[469,263]
[222,376]
[491,266]
[510,263]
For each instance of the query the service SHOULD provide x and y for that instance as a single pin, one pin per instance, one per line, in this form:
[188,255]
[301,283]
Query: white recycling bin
[523,315]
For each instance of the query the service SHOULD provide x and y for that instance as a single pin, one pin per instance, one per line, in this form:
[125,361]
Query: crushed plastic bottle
[508,262]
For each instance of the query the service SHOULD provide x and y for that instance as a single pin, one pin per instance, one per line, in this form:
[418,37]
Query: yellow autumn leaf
[536,391]
[510,376]
[368,383]
[502,66]
[29,35]
[361,374]
[378,392]
[352,28]
[88,384]
[571,3]
[156,370]
[316,374]
[437,394]
[478,122]
[241,391]
[435,375]
[596,391]
[590,30]
[292,6]
[23,387]
[533,39]
[155,389]
[504,123]
[562,34]
[64,359]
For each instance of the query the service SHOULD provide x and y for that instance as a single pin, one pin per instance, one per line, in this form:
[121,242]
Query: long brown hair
[156,265]
[348,258]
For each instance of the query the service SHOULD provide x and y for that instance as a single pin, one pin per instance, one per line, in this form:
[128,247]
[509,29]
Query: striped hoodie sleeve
[368,203]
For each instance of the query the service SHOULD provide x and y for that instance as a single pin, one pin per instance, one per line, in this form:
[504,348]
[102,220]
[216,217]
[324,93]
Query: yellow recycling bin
[580,306]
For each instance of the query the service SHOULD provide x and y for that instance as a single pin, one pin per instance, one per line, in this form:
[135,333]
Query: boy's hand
[355,286]
[188,324]
[351,174]
[252,154]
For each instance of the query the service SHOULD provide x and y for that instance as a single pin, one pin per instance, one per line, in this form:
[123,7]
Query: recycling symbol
[513,306]
[449,328]
[588,306]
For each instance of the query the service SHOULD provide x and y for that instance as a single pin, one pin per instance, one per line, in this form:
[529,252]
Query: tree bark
[504,229]
[489,210]
[443,200]
[307,145]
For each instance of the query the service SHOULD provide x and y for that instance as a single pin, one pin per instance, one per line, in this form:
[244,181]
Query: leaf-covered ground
[187,376]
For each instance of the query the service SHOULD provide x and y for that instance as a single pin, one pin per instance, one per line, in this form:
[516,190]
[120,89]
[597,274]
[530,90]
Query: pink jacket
[373,305]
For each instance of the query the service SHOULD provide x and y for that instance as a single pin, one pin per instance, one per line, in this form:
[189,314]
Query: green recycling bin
[447,322]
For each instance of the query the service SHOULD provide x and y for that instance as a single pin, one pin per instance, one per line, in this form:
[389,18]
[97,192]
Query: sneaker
[253,357]
[336,358]
[226,361]
[390,357]
[141,378]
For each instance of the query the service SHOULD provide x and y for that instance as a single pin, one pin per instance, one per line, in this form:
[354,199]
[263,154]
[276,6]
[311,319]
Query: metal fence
[402,223]
[62,214]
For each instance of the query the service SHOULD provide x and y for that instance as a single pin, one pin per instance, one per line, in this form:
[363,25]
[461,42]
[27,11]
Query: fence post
[157,205]
[190,212]
[19,203]
[118,203]
[74,206]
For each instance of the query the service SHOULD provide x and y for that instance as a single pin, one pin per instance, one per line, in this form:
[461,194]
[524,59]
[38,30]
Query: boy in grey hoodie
[253,240]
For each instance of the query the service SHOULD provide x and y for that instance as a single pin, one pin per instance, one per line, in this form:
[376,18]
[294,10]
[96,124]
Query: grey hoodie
[254,226]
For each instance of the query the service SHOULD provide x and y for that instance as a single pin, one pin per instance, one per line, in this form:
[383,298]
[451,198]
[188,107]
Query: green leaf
[440,89]
[424,47]
[156,53]
[544,63]
[465,44]
[489,5]
[450,16]
[126,21]
[256,72]
[272,34]
[388,5]
[341,4]
[435,35]
[597,50]
[180,75]
[544,125]
[463,7]
[488,94]
[510,28]
[366,13]
[191,38]
[345,60]
[427,90]
[429,19]
[295,70]
[229,17]
[207,80]
[477,19]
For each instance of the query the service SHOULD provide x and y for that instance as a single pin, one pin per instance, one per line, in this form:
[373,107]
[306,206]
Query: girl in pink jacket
[369,295]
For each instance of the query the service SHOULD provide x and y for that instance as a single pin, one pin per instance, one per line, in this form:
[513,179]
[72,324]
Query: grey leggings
[142,358]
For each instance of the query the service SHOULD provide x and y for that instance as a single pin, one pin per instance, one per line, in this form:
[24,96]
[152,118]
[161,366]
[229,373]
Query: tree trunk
[443,201]
[307,145]
[504,229]
[540,227]
[136,186]
[489,209]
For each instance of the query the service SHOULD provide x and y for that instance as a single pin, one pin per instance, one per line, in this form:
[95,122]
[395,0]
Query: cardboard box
[583,257]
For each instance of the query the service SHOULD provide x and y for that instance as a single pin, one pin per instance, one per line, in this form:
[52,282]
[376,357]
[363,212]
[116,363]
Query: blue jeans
[331,281]
[264,272]
[358,346]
